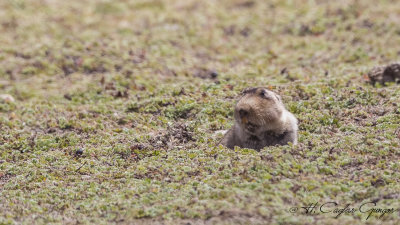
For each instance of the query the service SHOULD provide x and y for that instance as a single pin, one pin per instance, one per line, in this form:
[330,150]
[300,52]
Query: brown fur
[260,120]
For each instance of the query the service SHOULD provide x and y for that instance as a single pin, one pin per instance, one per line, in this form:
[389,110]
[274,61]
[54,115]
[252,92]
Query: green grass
[132,84]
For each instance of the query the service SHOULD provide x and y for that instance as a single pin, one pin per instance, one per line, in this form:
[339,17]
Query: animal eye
[264,94]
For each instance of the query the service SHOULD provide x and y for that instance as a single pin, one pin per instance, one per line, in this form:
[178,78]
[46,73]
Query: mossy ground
[118,104]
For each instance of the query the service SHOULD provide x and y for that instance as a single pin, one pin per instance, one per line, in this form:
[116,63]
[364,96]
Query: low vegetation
[117,108]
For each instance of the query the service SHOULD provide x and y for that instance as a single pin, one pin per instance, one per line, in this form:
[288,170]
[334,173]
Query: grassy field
[118,105]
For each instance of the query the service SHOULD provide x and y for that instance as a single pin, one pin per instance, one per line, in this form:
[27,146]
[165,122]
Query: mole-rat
[261,120]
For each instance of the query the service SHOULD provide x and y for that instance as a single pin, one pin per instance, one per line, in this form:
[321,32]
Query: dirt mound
[383,74]
[177,134]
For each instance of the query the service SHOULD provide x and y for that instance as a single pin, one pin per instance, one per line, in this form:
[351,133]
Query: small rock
[245,4]
[205,73]
[7,98]
[68,97]
[51,130]
[79,152]
[137,146]
[379,182]
[284,71]
[213,74]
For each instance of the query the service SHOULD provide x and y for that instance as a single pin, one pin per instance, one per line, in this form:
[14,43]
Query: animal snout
[243,113]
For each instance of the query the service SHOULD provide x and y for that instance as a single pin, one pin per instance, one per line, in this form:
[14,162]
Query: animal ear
[249,90]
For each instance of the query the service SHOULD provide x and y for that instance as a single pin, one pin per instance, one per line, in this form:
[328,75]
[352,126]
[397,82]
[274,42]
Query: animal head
[258,109]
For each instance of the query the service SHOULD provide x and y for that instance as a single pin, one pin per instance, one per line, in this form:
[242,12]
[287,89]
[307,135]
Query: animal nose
[243,113]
